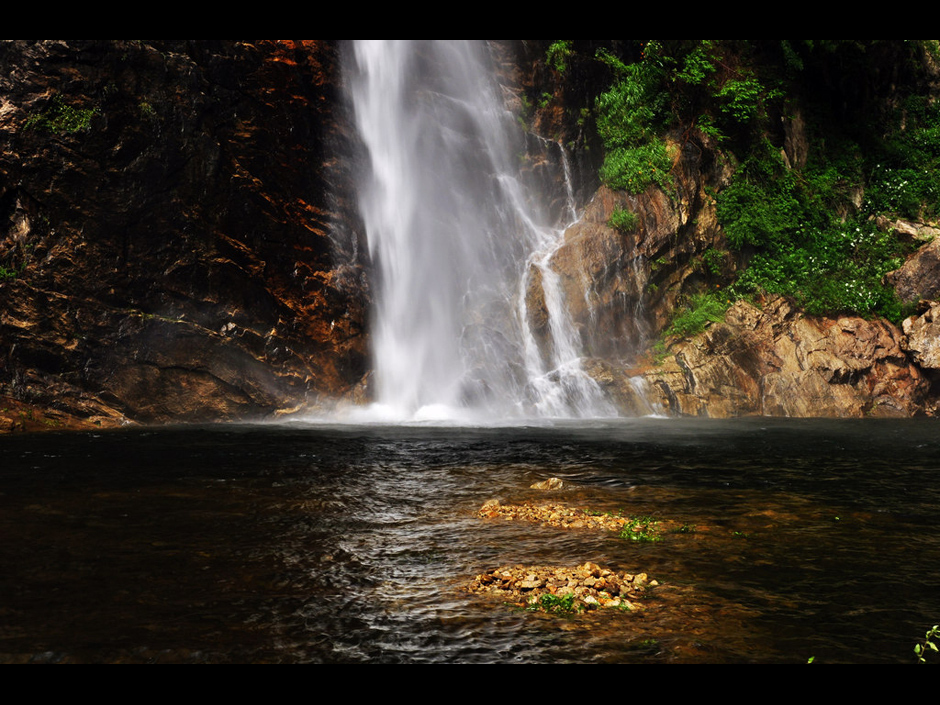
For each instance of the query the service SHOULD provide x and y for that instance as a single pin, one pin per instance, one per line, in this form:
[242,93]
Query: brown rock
[922,337]
[919,277]
[776,362]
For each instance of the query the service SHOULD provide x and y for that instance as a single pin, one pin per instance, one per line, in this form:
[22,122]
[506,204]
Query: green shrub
[635,169]
[702,310]
[627,113]
[623,220]
[930,644]
[839,269]
[714,261]
[62,118]
[10,270]
[806,243]
[627,121]
[559,54]
[699,65]
[761,205]
[742,99]
[557,604]
[904,179]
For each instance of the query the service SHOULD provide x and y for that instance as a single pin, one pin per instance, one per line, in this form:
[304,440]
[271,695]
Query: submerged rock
[562,516]
[550,485]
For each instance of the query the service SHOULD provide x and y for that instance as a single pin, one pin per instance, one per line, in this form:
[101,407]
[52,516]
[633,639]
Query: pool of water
[319,543]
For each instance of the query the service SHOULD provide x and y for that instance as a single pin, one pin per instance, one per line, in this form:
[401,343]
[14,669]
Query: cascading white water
[453,235]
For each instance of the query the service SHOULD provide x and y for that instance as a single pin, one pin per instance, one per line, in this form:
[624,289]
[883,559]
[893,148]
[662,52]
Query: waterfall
[454,237]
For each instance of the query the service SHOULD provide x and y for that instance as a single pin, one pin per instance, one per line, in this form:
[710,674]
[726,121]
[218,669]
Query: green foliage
[636,155]
[802,247]
[714,261]
[635,169]
[699,65]
[559,54]
[10,270]
[147,110]
[557,604]
[641,529]
[832,270]
[905,178]
[702,310]
[756,215]
[742,99]
[676,82]
[760,205]
[623,220]
[930,644]
[62,118]
[627,114]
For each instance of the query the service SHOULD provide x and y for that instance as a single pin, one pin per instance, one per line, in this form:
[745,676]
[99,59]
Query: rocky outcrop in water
[565,590]
[777,361]
[168,221]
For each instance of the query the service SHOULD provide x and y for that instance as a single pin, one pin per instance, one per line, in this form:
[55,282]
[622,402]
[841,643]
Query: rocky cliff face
[170,213]
[622,285]
[625,284]
[776,361]
[178,242]
[767,359]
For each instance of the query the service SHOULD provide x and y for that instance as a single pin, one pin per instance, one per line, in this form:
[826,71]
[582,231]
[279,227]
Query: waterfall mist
[455,236]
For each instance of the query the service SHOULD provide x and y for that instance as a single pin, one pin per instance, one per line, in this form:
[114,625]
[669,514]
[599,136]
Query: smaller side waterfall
[455,239]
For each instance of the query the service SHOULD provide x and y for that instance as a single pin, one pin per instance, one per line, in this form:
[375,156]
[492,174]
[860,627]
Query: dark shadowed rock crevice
[170,222]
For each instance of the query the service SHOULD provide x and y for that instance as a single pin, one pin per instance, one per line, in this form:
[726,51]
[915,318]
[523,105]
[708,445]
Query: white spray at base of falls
[454,235]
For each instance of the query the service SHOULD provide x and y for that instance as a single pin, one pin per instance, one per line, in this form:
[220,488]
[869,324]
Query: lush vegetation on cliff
[827,138]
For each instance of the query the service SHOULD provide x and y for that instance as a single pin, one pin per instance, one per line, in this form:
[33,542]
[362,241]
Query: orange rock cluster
[586,587]
[557,515]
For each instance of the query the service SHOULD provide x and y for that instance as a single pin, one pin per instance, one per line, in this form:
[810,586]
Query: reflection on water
[298,543]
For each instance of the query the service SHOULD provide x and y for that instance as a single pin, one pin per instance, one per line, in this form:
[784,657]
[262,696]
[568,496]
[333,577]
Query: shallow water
[301,543]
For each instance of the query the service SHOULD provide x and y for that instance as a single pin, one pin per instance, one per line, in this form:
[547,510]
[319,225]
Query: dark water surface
[297,543]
